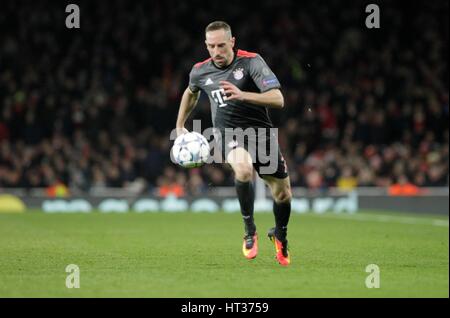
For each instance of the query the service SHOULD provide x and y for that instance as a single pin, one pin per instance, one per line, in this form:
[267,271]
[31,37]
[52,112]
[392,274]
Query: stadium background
[87,113]
[94,107]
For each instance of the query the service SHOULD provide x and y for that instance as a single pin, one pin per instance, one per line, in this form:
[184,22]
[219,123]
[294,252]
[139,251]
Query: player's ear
[233,41]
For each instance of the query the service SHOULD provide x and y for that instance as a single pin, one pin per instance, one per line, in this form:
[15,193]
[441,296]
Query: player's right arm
[188,102]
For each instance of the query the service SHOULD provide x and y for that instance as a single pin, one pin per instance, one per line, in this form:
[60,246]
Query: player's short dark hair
[218,25]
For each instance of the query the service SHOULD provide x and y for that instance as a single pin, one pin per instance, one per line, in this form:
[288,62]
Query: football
[190,150]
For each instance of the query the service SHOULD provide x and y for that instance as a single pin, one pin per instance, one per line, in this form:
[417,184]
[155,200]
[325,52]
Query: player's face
[220,47]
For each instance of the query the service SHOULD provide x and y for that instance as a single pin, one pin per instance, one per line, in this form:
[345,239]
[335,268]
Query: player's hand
[231,91]
[181,131]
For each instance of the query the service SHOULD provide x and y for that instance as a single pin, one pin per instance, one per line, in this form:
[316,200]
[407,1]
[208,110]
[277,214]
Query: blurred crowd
[94,107]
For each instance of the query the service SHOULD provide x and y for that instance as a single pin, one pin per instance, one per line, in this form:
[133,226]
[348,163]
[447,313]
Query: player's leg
[241,163]
[272,167]
[282,195]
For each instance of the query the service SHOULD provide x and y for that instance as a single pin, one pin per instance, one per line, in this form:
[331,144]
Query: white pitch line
[440,223]
[388,219]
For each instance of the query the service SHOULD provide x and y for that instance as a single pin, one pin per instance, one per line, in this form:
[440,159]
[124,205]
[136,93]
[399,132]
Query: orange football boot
[282,253]
[250,246]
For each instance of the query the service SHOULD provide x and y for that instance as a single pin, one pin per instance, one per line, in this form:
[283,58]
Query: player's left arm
[271,98]
[266,81]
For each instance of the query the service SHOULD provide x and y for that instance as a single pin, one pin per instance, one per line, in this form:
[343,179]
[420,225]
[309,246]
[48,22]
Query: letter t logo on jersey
[218,95]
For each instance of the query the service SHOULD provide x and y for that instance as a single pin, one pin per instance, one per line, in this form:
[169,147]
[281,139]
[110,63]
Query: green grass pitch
[199,255]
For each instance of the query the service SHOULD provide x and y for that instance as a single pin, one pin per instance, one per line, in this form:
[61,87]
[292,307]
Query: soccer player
[241,88]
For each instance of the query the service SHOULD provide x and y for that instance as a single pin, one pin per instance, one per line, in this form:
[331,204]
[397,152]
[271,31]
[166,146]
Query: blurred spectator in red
[403,188]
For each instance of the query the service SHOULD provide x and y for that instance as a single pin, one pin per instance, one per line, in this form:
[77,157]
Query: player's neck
[233,56]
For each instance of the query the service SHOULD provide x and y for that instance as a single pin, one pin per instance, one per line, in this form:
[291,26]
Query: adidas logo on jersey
[209,82]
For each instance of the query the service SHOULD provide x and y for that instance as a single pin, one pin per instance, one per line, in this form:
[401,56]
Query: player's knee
[243,172]
[283,196]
